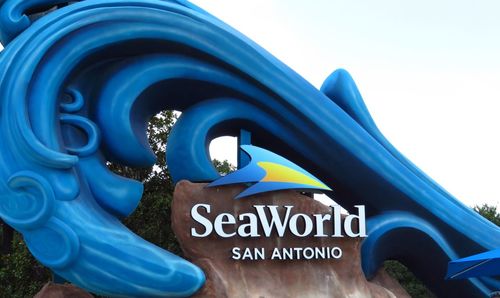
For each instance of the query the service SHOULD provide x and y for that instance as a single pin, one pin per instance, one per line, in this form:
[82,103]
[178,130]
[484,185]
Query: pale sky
[429,72]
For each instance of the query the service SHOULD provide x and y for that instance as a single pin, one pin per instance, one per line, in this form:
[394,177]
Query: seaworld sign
[267,219]
[270,171]
[248,223]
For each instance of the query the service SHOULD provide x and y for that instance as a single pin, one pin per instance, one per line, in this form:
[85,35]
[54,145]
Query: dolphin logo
[269,172]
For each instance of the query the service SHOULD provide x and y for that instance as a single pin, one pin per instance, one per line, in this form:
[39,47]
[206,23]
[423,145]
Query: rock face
[227,277]
[51,290]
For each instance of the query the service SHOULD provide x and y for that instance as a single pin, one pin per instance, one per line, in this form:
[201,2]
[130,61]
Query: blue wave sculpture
[77,87]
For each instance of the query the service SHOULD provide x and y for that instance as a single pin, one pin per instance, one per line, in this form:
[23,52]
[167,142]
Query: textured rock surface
[51,290]
[270,278]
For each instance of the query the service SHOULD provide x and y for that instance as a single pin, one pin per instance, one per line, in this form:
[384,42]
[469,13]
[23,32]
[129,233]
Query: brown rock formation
[51,290]
[269,278]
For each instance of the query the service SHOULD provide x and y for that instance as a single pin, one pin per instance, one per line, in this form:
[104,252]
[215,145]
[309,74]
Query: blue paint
[121,61]
[245,138]
[483,264]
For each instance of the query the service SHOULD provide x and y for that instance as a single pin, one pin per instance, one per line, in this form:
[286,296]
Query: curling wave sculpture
[79,81]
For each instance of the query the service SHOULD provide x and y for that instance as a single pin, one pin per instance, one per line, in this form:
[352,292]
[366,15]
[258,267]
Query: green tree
[489,212]
[407,280]
[223,167]
[20,274]
[151,219]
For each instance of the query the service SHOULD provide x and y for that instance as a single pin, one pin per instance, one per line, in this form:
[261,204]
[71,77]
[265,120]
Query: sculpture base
[52,290]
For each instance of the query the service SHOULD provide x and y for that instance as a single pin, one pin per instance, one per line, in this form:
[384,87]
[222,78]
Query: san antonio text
[286,253]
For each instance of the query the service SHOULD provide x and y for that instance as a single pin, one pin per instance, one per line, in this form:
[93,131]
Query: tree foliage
[407,280]
[20,274]
[151,219]
[489,212]
[223,167]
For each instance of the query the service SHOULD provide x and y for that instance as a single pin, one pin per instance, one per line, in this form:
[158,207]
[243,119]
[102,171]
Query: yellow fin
[279,173]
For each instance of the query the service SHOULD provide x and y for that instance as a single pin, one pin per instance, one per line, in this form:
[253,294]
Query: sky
[429,72]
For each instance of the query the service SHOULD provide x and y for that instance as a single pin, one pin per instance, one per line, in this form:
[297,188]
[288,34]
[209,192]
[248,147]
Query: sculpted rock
[227,277]
[51,290]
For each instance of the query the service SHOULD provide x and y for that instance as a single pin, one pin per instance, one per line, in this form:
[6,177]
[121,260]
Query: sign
[271,172]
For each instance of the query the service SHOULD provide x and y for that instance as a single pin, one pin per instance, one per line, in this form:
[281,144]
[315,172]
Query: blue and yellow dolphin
[270,172]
